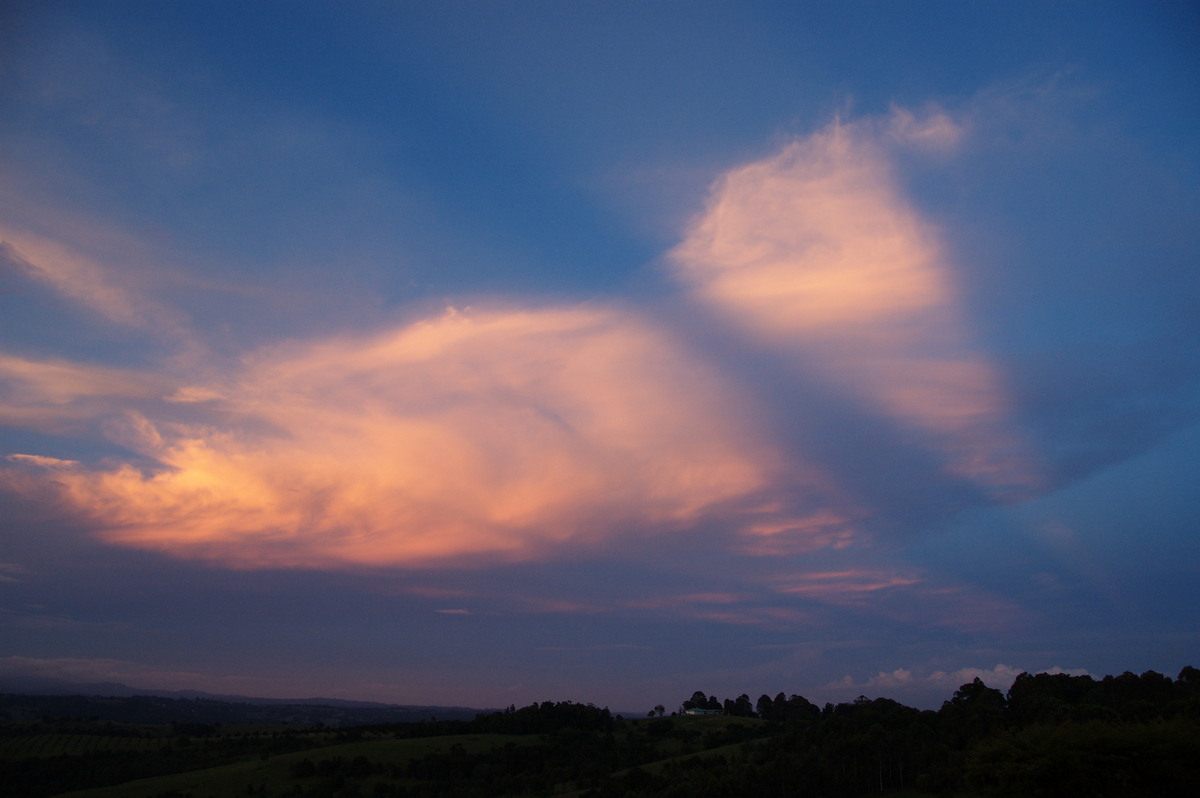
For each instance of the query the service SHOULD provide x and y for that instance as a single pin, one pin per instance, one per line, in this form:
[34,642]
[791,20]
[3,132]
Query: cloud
[847,587]
[79,670]
[41,461]
[814,253]
[499,434]
[509,433]
[12,572]
[904,681]
[936,132]
[81,276]
[36,618]
[74,669]
[55,394]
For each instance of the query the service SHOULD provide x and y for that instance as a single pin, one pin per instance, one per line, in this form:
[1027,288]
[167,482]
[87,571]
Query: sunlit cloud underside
[505,433]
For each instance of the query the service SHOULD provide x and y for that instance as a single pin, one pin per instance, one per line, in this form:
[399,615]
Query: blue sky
[484,353]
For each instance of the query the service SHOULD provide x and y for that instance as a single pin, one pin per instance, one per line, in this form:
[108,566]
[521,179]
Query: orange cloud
[815,253]
[495,434]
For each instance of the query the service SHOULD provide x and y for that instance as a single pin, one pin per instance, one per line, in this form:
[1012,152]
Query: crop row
[45,745]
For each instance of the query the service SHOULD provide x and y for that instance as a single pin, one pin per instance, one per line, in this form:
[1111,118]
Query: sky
[483,353]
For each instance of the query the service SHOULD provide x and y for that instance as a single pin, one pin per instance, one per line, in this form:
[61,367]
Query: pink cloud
[816,254]
[498,434]
[508,433]
[776,534]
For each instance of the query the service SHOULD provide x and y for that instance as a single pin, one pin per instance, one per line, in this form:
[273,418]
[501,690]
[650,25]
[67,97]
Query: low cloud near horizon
[926,690]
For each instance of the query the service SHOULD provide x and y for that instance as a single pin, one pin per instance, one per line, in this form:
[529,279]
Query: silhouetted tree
[698,701]
[974,711]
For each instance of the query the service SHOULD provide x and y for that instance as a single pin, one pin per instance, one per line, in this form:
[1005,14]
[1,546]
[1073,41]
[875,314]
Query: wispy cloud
[599,647]
[12,572]
[83,277]
[934,131]
[847,586]
[55,394]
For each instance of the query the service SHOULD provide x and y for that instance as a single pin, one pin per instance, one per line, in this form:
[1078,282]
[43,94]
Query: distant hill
[24,699]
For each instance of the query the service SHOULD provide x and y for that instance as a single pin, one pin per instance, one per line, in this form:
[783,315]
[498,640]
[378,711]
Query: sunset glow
[482,353]
[490,433]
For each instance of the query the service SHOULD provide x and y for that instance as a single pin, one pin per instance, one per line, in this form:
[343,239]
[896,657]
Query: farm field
[368,763]
[53,745]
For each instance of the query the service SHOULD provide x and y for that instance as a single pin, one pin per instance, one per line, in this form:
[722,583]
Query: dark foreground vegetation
[1051,735]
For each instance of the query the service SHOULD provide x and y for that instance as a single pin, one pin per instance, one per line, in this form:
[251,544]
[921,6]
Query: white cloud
[936,131]
[903,681]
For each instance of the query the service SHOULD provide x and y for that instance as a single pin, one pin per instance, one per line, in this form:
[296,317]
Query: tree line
[1047,735]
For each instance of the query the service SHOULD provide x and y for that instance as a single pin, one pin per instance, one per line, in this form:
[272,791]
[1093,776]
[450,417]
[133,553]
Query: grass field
[369,762]
[276,773]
